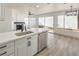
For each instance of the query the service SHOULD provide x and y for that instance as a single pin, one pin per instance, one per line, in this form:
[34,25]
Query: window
[26,22]
[61,21]
[67,22]
[46,22]
[49,22]
[71,22]
[32,22]
[41,22]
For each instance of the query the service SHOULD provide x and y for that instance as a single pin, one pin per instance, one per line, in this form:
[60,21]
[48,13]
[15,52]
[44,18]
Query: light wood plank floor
[58,45]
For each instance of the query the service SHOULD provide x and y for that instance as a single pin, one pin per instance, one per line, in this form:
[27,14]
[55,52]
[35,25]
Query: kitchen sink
[23,33]
[69,29]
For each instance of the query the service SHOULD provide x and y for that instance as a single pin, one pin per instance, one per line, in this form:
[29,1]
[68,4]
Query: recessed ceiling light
[37,6]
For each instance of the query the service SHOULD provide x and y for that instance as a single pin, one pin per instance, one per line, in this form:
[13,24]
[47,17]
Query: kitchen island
[24,45]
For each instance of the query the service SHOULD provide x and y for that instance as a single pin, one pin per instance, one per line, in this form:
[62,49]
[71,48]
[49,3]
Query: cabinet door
[21,47]
[32,45]
[21,50]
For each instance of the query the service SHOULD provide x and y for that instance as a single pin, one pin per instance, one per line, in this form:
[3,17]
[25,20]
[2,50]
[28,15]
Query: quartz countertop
[10,36]
[68,32]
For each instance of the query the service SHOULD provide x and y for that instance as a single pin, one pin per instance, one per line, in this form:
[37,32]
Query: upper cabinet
[5,18]
[6,11]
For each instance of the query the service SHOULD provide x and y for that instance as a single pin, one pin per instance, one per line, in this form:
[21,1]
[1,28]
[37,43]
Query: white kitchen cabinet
[21,47]
[5,18]
[5,10]
[32,43]
[7,48]
[42,41]
[26,46]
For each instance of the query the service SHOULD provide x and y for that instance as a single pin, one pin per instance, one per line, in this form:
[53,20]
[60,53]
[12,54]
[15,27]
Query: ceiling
[42,7]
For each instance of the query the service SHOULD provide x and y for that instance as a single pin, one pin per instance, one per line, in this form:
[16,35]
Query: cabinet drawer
[7,52]
[6,46]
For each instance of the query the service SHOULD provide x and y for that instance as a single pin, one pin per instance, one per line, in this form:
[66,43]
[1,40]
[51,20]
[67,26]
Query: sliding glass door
[41,22]
[61,21]
[49,22]
[46,22]
[70,22]
[30,23]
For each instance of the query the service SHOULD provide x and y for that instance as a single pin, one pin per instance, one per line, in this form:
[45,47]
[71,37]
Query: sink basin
[23,33]
[69,29]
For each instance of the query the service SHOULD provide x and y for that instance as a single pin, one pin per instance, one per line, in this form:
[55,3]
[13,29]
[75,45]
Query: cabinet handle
[29,43]
[3,46]
[29,38]
[3,53]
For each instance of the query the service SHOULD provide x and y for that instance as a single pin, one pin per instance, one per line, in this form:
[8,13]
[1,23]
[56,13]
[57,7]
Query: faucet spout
[25,28]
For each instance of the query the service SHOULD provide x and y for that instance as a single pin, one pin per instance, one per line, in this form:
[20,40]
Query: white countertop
[10,36]
[68,32]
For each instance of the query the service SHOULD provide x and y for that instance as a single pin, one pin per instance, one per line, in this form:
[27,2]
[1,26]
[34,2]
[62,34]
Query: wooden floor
[48,51]
[59,45]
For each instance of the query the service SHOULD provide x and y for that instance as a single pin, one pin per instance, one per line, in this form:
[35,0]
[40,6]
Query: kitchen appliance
[42,41]
[20,25]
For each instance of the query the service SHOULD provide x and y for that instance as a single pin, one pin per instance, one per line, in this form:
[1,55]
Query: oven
[19,25]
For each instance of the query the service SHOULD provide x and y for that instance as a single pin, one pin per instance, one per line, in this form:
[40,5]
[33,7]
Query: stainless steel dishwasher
[42,41]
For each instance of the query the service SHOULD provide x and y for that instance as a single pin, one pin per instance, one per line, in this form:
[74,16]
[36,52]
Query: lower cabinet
[32,45]
[7,49]
[26,46]
[21,47]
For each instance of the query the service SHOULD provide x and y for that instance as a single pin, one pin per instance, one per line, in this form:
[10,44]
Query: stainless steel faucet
[23,28]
